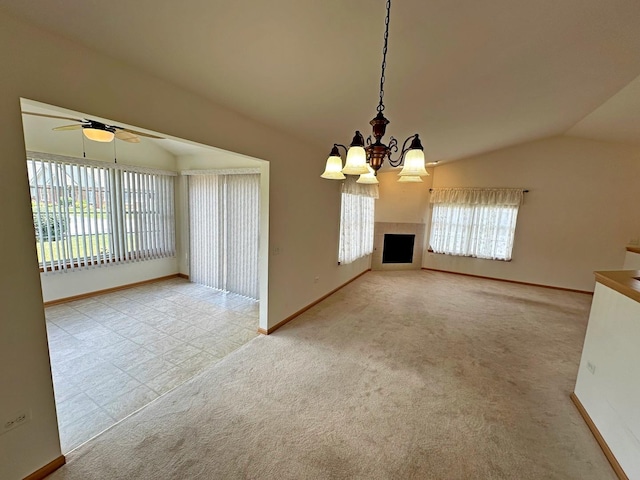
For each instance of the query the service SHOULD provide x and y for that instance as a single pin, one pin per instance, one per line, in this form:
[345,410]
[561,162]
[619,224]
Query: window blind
[87,213]
[224,231]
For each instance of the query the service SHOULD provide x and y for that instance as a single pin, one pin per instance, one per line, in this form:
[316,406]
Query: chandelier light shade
[414,164]
[356,157]
[369,178]
[98,135]
[365,159]
[333,170]
[410,179]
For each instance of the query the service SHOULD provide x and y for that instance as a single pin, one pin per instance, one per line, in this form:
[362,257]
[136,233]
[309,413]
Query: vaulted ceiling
[468,76]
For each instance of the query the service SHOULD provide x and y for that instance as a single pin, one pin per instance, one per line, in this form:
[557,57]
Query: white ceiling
[40,129]
[468,76]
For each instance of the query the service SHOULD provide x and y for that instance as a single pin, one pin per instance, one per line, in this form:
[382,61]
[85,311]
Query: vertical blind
[206,230]
[243,220]
[224,232]
[143,226]
[96,214]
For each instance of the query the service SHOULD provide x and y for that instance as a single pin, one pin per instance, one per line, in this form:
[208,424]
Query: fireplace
[398,248]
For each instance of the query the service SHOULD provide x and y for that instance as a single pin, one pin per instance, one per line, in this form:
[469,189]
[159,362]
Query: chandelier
[366,160]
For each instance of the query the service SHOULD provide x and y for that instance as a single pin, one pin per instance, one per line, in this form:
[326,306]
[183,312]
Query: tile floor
[114,353]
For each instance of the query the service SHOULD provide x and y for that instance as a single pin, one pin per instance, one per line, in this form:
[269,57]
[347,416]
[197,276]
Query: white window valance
[477,196]
[351,187]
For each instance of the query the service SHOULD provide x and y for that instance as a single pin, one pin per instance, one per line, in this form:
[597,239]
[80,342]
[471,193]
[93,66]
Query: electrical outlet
[591,367]
[15,420]
[315,280]
[634,241]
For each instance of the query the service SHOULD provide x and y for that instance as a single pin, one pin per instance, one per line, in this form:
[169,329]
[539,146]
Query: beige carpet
[399,375]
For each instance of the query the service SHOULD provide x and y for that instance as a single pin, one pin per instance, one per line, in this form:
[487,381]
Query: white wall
[215,159]
[578,216]
[403,202]
[57,285]
[631,261]
[304,210]
[610,394]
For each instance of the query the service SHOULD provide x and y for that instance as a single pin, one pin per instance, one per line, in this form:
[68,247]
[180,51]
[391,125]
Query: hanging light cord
[384,56]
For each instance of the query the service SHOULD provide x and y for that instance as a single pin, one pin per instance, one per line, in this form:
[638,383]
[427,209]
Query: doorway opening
[125,324]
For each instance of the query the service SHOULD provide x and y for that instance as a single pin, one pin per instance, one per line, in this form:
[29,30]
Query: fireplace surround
[398,238]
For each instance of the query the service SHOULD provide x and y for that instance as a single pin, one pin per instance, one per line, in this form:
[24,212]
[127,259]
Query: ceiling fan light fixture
[98,135]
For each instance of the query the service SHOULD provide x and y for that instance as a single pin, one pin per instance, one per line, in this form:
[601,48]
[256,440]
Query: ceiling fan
[98,131]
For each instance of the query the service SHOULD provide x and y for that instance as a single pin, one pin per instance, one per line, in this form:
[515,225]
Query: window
[356,220]
[86,213]
[477,223]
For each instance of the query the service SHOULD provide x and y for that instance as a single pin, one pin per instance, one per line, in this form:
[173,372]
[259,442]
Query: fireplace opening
[398,248]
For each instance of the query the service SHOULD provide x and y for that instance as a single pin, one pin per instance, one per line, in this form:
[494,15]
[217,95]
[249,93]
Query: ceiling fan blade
[135,132]
[127,136]
[67,127]
[54,116]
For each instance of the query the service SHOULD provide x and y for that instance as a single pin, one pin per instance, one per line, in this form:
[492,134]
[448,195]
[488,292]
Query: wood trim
[626,282]
[312,304]
[183,275]
[511,281]
[48,469]
[598,436]
[633,249]
[109,290]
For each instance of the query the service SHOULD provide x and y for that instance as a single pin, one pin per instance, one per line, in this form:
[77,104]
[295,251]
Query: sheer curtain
[356,220]
[475,222]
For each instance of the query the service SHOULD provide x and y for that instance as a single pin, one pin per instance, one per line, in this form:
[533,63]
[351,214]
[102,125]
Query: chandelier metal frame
[375,152]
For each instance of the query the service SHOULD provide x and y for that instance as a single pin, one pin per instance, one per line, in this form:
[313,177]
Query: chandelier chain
[369,156]
[384,57]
